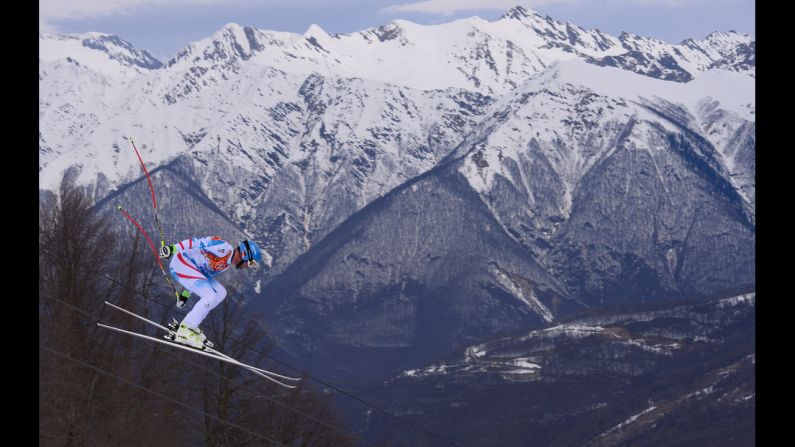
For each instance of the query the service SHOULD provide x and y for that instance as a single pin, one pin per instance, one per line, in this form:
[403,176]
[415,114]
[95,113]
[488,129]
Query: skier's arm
[188,244]
[168,251]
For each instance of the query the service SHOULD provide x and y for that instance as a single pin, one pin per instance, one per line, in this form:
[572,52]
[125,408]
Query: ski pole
[152,189]
[152,246]
[157,221]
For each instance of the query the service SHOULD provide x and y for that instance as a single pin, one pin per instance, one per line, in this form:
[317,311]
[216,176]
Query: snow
[472,53]
[574,91]
[513,358]
[315,31]
[746,299]
[467,53]
[649,348]
[627,422]
[429,371]
[527,298]
[90,102]
[524,362]
[573,329]
[510,369]
[60,48]
[474,352]
[734,91]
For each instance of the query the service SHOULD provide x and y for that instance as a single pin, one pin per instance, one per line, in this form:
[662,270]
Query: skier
[194,263]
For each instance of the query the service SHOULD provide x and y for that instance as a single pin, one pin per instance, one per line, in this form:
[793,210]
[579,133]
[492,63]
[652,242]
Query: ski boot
[193,337]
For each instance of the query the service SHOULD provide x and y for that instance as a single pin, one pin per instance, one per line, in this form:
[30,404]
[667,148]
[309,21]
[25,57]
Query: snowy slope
[85,74]
[475,54]
[569,109]
[103,53]
[682,62]
[602,173]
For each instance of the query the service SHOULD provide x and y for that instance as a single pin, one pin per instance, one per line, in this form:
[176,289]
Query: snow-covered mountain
[288,135]
[348,116]
[490,57]
[105,53]
[616,195]
[609,158]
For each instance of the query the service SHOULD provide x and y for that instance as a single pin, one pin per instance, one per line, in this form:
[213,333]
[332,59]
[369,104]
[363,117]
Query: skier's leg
[211,293]
[187,275]
[182,272]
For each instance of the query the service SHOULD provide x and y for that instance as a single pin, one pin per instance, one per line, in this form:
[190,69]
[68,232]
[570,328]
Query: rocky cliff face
[400,262]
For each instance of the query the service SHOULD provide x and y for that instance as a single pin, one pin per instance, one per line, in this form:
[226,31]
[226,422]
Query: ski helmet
[250,251]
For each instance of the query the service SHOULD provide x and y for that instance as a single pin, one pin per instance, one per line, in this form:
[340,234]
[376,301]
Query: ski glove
[182,299]
[168,251]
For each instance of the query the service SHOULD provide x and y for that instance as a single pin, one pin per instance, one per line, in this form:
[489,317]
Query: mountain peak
[232,26]
[230,30]
[627,37]
[315,31]
[232,40]
[730,33]
[731,37]
[517,12]
[54,46]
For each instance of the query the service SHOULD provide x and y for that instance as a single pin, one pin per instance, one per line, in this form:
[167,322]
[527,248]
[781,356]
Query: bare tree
[287,416]
[97,387]
[83,395]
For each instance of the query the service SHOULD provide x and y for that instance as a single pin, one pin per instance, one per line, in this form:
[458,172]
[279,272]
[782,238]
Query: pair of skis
[206,351]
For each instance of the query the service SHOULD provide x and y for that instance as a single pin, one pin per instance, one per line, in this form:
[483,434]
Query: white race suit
[194,264]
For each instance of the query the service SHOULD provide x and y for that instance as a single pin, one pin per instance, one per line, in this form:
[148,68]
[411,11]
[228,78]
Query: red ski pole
[152,246]
[152,189]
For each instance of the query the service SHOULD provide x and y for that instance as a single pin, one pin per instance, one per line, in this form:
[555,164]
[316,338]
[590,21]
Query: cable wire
[197,365]
[163,396]
[343,392]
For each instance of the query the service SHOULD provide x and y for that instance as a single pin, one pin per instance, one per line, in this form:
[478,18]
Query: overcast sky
[162,27]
